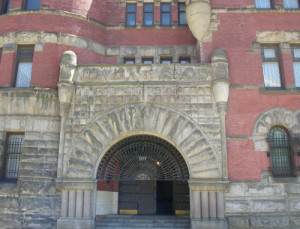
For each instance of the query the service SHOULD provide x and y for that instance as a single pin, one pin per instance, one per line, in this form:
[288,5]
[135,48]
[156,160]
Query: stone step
[157,222]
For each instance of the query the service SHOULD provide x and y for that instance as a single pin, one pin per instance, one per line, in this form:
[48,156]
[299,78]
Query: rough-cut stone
[269,222]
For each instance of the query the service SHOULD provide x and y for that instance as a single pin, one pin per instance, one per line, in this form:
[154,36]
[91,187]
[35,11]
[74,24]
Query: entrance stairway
[137,221]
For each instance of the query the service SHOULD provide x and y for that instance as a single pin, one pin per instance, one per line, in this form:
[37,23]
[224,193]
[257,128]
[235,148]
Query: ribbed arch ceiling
[142,157]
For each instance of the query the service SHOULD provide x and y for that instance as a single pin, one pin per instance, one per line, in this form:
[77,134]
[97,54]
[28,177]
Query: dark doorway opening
[164,198]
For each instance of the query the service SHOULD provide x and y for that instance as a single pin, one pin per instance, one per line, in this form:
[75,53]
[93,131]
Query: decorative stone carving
[143,73]
[198,15]
[268,119]
[91,144]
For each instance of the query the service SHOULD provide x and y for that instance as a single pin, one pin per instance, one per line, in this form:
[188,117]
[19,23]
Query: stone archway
[101,133]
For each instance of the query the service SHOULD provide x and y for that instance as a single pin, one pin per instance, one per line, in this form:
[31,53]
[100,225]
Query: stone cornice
[213,185]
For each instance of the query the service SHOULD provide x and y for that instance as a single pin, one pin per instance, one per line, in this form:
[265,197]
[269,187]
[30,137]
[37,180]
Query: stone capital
[213,185]
[75,184]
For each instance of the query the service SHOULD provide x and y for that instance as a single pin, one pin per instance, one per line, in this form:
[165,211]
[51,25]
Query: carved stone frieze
[143,73]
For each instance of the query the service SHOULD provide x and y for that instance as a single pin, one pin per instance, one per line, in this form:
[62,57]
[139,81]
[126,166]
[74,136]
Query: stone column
[220,85]
[65,92]
[208,203]
[76,202]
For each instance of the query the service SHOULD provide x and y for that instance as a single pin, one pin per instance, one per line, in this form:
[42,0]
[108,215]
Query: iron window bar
[284,155]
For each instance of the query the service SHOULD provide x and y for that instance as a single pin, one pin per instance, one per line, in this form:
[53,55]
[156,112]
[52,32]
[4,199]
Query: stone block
[75,223]
[38,221]
[238,222]
[294,204]
[269,222]
[209,224]
[9,221]
[268,205]
[265,189]
[237,205]
[295,221]
[292,188]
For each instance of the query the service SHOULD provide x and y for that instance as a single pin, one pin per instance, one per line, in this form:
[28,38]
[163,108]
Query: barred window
[32,4]
[148,15]
[184,60]
[271,67]
[147,60]
[296,65]
[13,150]
[130,14]
[24,60]
[129,60]
[4,6]
[165,9]
[165,60]
[281,158]
[291,4]
[181,14]
[263,4]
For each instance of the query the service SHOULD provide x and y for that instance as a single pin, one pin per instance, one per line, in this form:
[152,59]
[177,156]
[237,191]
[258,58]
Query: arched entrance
[146,174]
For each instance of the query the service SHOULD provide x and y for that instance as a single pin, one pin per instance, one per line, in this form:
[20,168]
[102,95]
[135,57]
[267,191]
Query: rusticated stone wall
[32,202]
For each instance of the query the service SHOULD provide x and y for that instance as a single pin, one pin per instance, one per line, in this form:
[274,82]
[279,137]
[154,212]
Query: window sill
[280,91]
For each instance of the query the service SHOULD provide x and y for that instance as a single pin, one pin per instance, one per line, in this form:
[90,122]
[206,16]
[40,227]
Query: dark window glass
[271,67]
[281,160]
[13,150]
[181,14]
[129,61]
[184,60]
[148,15]
[32,4]
[166,60]
[24,65]
[165,14]
[130,14]
[296,65]
[147,60]
[0,54]
[4,6]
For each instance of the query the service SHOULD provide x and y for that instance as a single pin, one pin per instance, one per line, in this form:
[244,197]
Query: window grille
[25,58]
[32,4]
[291,4]
[181,14]
[165,9]
[283,153]
[14,146]
[147,60]
[263,4]
[296,65]
[4,6]
[271,68]
[148,15]
[130,14]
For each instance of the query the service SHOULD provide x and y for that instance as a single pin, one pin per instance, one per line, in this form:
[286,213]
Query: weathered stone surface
[237,205]
[238,223]
[269,205]
[269,222]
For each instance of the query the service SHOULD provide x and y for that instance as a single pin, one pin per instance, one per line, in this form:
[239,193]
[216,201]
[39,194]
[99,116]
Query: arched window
[281,159]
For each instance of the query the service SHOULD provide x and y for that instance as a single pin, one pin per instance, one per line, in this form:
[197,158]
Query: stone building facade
[196,98]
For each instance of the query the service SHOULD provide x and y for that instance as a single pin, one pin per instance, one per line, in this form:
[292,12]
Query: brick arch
[104,131]
[270,118]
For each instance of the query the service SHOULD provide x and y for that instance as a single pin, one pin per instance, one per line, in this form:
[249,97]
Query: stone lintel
[10,48]
[76,184]
[209,185]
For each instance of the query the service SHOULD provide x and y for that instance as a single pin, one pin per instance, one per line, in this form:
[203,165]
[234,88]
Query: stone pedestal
[209,224]
[75,223]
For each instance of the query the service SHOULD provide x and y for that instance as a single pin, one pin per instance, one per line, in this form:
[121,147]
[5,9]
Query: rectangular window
[24,66]
[148,15]
[296,65]
[4,6]
[147,60]
[181,14]
[129,60]
[166,60]
[291,4]
[263,4]
[271,67]
[32,4]
[13,150]
[184,60]
[165,10]
[0,54]
[130,14]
